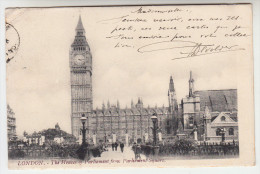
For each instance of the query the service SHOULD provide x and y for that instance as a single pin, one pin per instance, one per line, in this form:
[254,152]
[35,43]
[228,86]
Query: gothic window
[190,120]
[218,132]
[231,131]
[223,118]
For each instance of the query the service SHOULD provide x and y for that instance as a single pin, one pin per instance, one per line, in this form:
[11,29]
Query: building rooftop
[218,100]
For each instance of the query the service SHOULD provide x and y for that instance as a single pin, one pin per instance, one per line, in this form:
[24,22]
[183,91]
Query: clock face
[79,59]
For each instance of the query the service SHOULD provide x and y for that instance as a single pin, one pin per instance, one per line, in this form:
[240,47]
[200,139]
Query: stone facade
[200,110]
[11,124]
[127,125]
[216,121]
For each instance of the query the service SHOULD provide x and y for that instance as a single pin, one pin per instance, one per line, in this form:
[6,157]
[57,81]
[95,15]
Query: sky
[38,78]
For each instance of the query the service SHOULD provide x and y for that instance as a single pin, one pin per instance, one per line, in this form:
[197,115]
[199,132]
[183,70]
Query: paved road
[127,154]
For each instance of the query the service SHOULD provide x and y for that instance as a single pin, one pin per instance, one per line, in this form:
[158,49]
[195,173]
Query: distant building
[202,110]
[49,136]
[11,124]
[112,123]
[58,139]
[216,121]
[36,138]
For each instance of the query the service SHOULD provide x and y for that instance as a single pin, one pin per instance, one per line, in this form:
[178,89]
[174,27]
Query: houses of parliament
[113,123]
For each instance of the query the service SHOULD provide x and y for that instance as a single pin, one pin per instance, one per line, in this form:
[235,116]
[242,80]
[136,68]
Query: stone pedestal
[146,137]
[114,138]
[80,139]
[160,136]
[43,139]
[156,150]
[195,135]
[94,139]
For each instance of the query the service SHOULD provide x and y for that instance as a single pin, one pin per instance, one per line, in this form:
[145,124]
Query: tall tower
[173,105]
[173,109]
[191,107]
[191,85]
[80,78]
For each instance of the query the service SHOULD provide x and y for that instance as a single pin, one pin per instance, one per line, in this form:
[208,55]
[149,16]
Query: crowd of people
[115,146]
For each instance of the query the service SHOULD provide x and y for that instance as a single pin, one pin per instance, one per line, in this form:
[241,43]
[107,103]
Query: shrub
[185,145]
[16,154]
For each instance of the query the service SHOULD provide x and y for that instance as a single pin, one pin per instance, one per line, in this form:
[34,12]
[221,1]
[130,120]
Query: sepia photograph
[129,86]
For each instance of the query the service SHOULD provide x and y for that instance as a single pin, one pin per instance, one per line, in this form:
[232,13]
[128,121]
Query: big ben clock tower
[80,78]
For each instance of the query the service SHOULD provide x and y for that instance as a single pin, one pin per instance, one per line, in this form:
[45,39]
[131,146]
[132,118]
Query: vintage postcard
[130,86]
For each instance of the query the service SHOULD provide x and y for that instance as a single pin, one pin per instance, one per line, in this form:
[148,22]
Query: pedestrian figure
[137,152]
[113,146]
[122,147]
[147,150]
[116,144]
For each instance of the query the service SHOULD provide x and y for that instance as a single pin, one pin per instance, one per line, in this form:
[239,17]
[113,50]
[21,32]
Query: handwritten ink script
[181,30]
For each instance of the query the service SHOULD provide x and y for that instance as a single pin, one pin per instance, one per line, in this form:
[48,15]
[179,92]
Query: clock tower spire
[80,78]
[80,42]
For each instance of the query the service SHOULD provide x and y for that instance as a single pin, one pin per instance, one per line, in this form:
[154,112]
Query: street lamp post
[83,149]
[154,119]
[155,128]
[222,132]
[204,128]
[83,120]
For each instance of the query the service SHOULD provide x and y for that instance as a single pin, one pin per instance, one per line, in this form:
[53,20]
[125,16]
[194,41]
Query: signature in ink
[188,49]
